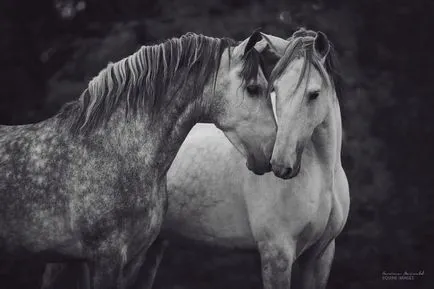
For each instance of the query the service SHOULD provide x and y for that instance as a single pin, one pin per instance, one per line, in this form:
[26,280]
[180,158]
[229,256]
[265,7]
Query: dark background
[49,49]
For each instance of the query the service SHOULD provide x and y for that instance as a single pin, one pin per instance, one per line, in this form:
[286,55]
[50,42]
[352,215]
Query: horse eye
[253,89]
[313,95]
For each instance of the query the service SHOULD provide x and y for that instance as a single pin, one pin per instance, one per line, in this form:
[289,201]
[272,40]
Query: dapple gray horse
[88,186]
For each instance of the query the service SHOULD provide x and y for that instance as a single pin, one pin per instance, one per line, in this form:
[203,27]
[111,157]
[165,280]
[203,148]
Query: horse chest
[331,210]
[315,220]
[308,202]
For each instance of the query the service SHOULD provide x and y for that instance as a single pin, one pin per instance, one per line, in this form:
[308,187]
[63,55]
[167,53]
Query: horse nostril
[286,172]
[282,172]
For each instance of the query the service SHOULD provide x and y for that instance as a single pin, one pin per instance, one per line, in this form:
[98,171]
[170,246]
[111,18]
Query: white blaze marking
[273,103]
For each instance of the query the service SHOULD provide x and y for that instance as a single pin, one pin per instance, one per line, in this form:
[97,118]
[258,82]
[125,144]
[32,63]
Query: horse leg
[55,272]
[66,276]
[148,270]
[277,257]
[103,273]
[315,266]
[84,277]
[21,274]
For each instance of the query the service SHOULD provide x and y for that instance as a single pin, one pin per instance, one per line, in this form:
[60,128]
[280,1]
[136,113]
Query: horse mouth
[293,173]
[287,173]
[259,171]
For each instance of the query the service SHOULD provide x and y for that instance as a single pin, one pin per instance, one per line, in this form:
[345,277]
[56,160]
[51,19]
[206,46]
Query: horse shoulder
[33,162]
[341,199]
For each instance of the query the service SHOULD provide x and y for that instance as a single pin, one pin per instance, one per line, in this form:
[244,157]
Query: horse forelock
[301,44]
[151,77]
[253,61]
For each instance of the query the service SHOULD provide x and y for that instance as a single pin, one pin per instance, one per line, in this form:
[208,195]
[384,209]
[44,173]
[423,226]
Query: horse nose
[281,171]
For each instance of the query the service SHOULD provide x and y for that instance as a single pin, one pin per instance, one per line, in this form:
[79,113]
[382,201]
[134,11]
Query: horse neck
[175,122]
[151,142]
[327,137]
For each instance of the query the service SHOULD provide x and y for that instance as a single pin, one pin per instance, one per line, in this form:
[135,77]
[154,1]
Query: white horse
[213,198]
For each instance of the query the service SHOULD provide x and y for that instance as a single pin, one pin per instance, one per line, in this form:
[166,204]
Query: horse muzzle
[286,172]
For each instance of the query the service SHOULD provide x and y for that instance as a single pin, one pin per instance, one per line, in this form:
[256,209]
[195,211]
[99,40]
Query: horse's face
[302,101]
[242,109]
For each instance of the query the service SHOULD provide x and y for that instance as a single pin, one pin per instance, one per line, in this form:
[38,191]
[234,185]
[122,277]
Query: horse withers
[87,186]
[213,199]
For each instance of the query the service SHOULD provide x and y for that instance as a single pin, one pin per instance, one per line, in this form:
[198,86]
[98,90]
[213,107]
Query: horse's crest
[151,77]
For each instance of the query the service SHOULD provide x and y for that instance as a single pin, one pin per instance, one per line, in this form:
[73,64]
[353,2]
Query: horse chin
[258,170]
[258,173]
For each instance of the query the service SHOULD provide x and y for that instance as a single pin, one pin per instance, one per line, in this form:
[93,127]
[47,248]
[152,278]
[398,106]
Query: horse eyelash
[313,95]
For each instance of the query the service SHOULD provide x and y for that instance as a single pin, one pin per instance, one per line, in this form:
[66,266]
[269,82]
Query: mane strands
[301,44]
[150,78]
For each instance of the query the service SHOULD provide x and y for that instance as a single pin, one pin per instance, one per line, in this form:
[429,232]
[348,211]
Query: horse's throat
[176,127]
[326,142]
[150,142]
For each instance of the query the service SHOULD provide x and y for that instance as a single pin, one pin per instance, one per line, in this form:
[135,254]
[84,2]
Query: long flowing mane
[151,77]
[301,44]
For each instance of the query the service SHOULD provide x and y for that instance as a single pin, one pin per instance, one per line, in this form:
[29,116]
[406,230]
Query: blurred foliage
[50,49]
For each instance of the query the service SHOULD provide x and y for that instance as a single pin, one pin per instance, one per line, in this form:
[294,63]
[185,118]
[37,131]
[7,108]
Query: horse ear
[322,45]
[248,43]
[253,39]
[275,45]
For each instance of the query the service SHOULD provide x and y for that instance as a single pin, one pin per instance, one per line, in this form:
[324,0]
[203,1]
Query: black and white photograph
[218,144]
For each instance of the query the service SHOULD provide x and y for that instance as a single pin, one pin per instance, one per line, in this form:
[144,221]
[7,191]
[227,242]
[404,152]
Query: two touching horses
[291,219]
